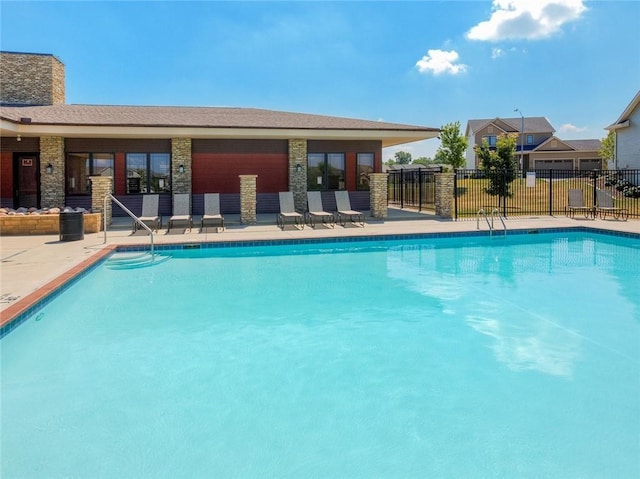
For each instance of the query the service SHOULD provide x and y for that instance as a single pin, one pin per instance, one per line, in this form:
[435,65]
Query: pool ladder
[495,212]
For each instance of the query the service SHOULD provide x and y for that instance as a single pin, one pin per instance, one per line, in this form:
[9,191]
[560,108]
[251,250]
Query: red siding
[6,178]
[218,172]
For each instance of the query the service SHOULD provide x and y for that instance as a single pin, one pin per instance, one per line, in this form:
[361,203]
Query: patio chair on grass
[181,211]
[604,202]
[212,211]
[288,212]
[576,204]
[149,216]
[343,205]
[315,210]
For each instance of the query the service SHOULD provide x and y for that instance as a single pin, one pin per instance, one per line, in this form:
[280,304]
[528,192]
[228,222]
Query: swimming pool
[453,357]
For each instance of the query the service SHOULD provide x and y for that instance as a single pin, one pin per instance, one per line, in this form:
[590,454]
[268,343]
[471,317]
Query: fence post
[550,192]
[595,188]
[401,188]
[419,189]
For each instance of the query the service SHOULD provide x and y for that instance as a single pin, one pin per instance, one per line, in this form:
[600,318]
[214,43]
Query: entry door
[27,184]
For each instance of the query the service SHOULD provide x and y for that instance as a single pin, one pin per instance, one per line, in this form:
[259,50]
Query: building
[537,147]
[49,149]
[627,135]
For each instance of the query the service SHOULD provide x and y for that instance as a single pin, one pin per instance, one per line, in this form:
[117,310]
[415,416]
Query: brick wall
[298,179]
[52,184]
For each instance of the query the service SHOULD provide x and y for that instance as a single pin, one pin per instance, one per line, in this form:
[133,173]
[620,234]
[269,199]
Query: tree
[403,158]
[423,160]
[607,150]
[454,144]
[500,166]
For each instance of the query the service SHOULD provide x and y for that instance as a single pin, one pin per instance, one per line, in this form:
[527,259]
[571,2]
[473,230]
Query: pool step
[134,260]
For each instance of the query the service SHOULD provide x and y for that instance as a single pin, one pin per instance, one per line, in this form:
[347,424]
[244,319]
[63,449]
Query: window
[491,140]
[364,168]
[80,166]
[529,139]
[148,173]
[325,171]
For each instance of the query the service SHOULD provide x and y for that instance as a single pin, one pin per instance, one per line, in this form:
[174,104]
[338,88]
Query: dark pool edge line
[35,301]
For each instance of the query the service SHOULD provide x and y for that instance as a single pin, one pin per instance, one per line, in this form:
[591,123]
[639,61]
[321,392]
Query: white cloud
[439,62]
[526,19]
[496,52]
[569,128]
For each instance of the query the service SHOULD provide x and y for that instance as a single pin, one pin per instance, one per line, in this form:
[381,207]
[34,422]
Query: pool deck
[34,266]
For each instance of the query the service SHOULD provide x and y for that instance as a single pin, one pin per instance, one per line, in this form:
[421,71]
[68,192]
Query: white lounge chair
[605,206]
[149,216]
[316,211]
[212,211]
[288,211]
[343,205]
[576,204]
[181,211]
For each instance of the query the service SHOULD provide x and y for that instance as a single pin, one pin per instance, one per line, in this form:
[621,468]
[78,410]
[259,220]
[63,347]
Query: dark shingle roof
[535,124]
[195,117]
[584,145]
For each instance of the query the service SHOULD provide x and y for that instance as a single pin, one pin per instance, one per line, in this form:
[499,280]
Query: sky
[426,63]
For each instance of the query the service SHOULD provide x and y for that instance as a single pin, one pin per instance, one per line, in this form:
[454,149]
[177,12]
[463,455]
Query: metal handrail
[126,210]
[504,226]
[482,212]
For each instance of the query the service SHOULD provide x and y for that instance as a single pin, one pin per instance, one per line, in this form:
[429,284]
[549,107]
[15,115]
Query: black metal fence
[544,192]
[414,188]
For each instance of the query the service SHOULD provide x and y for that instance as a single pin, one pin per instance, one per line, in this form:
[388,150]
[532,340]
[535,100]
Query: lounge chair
[576,204]
[149,216]
[181,211]
[605,206]
[212,211]
[343,205]
[316,211]
[288,211]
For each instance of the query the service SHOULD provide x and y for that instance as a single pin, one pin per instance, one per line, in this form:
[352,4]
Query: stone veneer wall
[181,155]
[52,184]
[248,199]
[378,191]
[101,186]
[49,224]
[31,79]
[445,195]
[298,180]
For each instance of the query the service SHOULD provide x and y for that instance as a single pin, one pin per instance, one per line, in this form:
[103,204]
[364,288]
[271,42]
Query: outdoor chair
[149,216]
[343,205]
[212,211]
[576,204]
[316,211]
[181,211]
[288,211]
[604,202]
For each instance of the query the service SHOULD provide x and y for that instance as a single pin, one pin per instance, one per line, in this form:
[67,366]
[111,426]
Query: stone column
[298,179]
[248,199]
[445,194]
[52,184]
[378,191]
[181,156]
[101,186]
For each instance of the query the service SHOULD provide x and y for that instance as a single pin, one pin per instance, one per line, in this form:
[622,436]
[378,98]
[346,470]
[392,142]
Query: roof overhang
[388,137]
[618,126]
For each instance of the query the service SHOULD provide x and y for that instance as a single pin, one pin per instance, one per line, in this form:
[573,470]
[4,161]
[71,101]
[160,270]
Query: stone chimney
[31,79]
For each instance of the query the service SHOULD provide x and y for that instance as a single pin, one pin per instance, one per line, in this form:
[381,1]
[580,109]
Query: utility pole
[521,139]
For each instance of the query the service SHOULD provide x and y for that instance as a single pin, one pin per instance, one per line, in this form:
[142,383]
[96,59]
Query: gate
[413,188]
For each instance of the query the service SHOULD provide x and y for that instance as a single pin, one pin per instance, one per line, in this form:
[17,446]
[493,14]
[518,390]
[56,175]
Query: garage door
[554,164]
[590,164]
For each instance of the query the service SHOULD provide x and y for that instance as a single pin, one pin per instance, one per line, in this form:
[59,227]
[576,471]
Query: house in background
[627,134]
[537,147]
[49,149]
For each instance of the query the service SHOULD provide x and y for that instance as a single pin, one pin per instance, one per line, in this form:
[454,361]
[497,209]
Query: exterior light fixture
[19,138]
[298,167]
[181,168]
[49,168]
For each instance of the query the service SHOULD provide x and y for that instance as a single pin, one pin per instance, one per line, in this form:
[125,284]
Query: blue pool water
[460,357]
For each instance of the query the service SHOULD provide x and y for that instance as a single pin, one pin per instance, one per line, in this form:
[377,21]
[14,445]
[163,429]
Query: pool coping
[17,313]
